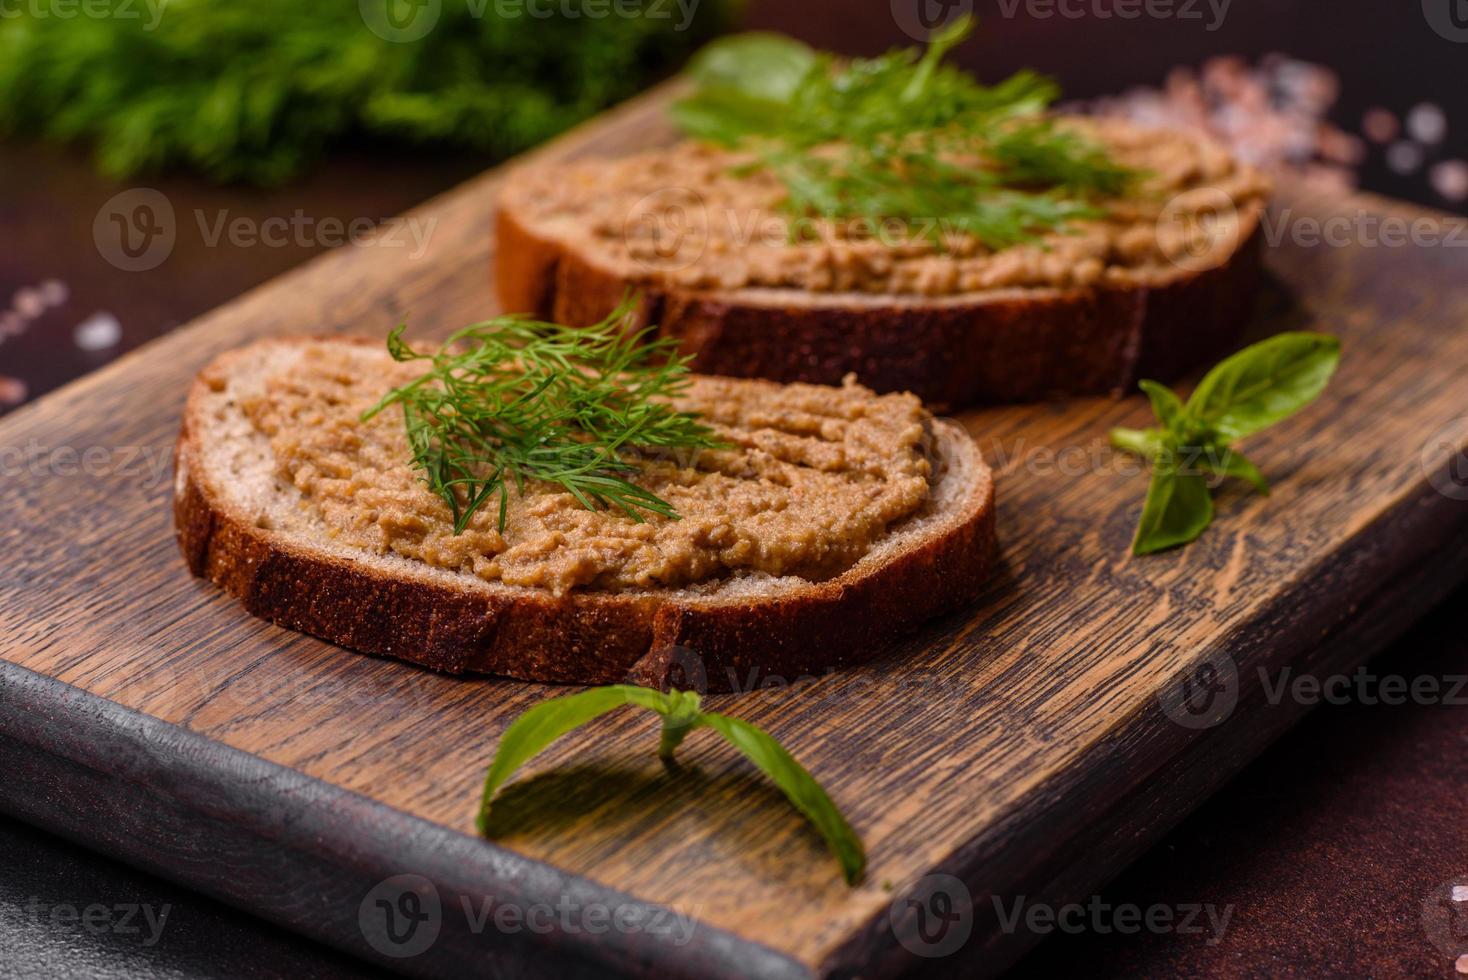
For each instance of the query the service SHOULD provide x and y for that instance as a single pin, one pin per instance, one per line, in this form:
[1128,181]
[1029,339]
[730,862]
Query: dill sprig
[902,136]
[512,400]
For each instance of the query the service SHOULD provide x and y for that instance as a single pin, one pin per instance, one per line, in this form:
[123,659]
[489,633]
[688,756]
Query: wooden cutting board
[1030,746]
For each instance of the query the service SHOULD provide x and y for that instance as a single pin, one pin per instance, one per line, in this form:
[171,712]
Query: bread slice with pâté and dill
[1165,280]
[851,518]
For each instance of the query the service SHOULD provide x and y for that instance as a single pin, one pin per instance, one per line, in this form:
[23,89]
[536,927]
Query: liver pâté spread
[684,216]
[815,476]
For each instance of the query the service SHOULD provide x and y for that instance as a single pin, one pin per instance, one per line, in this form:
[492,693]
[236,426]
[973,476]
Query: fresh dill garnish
[513,400]
[902,136]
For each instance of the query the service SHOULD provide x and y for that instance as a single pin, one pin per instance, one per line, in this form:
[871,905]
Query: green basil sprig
[538,727]
[1250,391]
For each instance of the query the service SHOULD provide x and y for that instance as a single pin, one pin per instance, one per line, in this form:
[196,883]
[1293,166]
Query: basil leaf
[1264,383]
[541,725]
[799,787]
[537,728]
[724,116]
[1231,462]
[1147,443]
[1166,405]
[760,65]
[1178,508]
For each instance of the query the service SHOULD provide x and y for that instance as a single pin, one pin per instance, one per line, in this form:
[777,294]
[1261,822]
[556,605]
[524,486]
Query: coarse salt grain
[1427,123]
[1404,157]
[1450,179]
[1460,893]
[12,391]
[28,303]
[1380,125]
[54,292]
[98,332]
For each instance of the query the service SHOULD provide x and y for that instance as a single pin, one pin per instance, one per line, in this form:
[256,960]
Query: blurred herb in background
[257,90]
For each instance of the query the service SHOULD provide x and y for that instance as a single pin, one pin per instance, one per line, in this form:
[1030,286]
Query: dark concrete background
[1328,850]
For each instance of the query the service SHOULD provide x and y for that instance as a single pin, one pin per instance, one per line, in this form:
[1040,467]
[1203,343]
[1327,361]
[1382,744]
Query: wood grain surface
[1022,746]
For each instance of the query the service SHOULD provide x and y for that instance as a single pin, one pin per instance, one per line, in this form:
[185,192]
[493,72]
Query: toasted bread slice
[247,529]
[1164,283]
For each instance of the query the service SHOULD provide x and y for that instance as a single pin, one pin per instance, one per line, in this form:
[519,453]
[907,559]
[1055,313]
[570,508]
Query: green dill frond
[259,90]
[903,136]
[513,400]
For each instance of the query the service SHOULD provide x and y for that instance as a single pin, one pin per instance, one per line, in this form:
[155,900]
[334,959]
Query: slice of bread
[1165,283]
[243,526]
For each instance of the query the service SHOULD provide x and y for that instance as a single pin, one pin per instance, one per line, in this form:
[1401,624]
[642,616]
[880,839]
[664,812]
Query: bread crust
[1013,346]
[581,637]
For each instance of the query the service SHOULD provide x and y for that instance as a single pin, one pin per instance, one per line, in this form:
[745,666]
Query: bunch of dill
[901,136]
[256,91]
[514,400]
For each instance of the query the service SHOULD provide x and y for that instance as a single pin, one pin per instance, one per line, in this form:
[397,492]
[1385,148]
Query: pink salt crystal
[1404,157]
[1380,125]
[1450,179]
[1339,147]
[28,303]
[54,292]
[1427,123]
[12,391]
